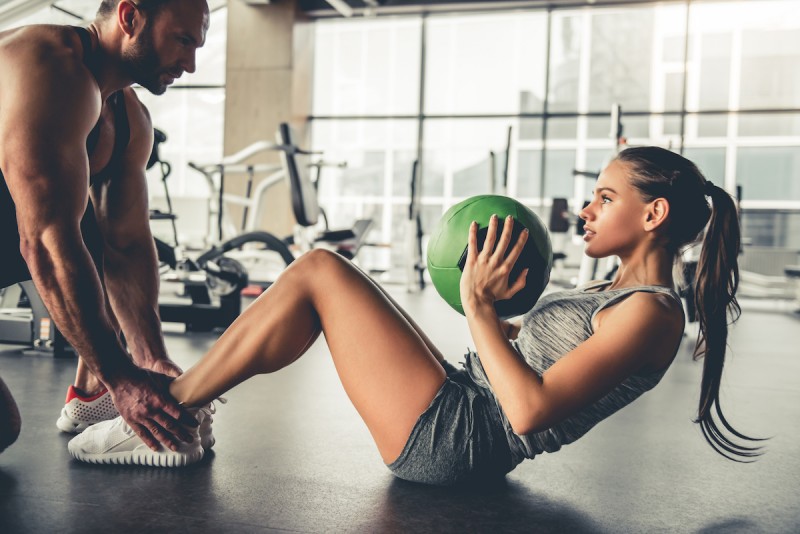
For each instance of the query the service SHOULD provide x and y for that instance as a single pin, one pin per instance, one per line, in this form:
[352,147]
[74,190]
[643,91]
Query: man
[74,142]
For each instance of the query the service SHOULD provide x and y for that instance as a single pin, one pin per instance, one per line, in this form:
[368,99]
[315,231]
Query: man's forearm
[132,281]
[67,280]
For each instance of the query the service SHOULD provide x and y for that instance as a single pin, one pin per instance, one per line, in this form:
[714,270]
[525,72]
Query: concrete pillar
[268,81]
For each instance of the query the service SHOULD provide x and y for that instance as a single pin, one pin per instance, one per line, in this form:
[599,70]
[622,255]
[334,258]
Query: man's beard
[143,63]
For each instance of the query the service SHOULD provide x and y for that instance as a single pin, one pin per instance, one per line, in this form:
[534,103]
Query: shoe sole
[143,458]
[68,426]
[206,436]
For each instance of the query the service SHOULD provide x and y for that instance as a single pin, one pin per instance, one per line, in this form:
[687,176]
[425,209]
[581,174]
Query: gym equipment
[305,204]
[166,169]
[415,266]
[447,250]
[24,320]
[215,279]
[212,283]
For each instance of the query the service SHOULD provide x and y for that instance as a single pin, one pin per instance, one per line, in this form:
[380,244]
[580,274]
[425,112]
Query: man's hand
[143,400]
[165,367]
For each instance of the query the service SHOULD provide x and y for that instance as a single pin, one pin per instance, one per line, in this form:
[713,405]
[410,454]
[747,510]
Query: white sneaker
[80,411]
[114,442]
[204,415]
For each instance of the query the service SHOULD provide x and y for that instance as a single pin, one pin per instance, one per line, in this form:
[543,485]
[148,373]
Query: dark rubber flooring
[292,455]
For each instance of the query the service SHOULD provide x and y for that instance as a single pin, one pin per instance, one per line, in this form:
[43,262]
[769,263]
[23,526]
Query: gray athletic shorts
[459,438]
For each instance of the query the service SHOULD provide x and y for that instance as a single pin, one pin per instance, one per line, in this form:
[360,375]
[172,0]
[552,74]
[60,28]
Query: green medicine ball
[447,250]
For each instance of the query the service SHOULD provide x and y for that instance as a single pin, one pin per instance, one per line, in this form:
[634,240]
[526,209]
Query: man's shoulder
[45,41]
[44,50]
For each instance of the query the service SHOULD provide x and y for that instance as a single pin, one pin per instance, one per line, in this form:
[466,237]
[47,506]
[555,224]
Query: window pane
[715,71]
[562,128]
[710,161]
[769,173]
[567,44]
[489,63]
[458,155]
[770,68]
[529,176]
[367,67]
[771,228]
[596,160]
[558,173]
[372,150]
[627,56]
[376,181]
[759,39]
[769,125]
[712,125]
[193,120]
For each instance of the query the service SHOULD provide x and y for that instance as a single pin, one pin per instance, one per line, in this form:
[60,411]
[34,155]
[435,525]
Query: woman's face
[616,215]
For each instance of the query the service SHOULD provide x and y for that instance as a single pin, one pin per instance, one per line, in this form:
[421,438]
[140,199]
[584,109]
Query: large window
[717,81]
[485,64]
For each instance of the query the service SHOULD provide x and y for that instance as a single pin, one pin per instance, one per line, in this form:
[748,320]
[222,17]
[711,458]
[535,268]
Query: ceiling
[11,10]
[338,8]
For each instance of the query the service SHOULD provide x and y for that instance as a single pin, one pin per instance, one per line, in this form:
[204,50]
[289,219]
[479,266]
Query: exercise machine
[208,294]
[415,263]
[215,279]
[305,204]
[25,321]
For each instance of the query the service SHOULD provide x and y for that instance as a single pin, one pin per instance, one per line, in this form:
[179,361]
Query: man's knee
[10,420]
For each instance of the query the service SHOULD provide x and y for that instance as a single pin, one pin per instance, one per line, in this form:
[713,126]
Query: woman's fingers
[472,240]
[491,237]
[505,239]
[518,247]
[519,283]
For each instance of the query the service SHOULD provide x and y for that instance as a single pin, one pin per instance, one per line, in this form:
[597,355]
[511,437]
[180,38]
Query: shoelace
[124,426]
[211,407]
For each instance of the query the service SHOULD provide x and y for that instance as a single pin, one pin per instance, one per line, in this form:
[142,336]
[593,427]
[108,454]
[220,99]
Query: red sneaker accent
[73,393]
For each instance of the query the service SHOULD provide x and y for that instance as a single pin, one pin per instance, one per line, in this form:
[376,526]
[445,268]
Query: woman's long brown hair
[659,173]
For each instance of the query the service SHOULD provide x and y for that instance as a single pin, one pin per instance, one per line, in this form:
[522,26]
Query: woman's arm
[642,329]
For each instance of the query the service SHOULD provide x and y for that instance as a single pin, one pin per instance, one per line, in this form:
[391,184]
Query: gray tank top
[556,325]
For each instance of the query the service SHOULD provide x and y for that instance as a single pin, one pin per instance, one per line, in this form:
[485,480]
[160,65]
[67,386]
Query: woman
[578,356]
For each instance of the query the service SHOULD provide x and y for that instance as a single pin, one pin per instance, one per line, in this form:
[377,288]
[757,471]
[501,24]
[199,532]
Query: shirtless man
[74,143]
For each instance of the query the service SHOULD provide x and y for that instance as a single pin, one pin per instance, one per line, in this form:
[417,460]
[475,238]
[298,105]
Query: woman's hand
[486,273]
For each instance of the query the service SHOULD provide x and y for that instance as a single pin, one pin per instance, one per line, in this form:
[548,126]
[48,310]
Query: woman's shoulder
[646,305]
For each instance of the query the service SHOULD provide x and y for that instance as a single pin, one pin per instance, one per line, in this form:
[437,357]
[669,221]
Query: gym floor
[293,455]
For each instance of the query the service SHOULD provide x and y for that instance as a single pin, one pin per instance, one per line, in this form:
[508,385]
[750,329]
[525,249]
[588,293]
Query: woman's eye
[604,199]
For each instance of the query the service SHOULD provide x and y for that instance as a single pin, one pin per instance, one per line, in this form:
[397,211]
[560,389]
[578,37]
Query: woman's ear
[656,214]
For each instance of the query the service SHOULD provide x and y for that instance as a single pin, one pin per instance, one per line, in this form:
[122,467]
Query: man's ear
[128,17]
[656,214]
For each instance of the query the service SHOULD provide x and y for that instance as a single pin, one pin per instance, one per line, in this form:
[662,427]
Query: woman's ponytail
[715,298]
[660,173]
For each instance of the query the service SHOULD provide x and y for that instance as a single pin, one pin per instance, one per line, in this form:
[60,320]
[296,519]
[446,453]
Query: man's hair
[108,7]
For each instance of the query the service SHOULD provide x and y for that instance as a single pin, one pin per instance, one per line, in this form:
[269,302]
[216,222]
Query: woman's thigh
[386,368]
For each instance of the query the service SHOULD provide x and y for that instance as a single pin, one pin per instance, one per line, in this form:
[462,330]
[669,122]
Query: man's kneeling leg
[10,420]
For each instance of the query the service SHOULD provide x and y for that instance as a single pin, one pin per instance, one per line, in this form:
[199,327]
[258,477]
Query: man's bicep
[43,153]
[48,186]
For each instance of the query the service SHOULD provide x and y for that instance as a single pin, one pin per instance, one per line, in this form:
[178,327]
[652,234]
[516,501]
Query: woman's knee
[318,264]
